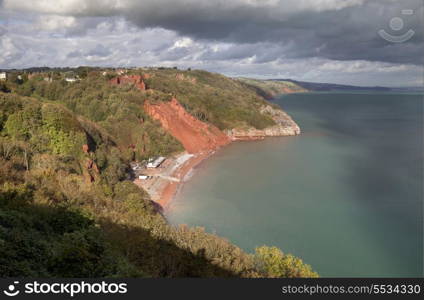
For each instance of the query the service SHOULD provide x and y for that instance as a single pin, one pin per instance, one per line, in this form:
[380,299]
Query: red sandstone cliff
[137,80]
[196,136]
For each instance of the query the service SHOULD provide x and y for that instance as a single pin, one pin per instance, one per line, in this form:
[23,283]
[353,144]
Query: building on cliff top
[3,76]
[70,79]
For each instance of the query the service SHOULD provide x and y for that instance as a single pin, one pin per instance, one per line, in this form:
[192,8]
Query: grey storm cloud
[303,39]
[333,29]
[347,33]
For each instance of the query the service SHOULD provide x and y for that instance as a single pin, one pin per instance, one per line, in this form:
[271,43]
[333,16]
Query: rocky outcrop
[137,80]
[285,126]
[91,165]
[85,148]
[182,77]
[195,135]
[90,170]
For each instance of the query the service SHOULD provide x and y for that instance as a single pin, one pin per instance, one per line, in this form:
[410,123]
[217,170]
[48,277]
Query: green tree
[43,241]
[22,124]
[4,87]
[273,262]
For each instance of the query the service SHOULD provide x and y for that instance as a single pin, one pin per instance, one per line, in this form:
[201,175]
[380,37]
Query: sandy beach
[167,178]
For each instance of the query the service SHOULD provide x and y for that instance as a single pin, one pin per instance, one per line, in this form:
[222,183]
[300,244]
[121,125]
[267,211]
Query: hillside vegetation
[212,97]
[271,88]
[67,206]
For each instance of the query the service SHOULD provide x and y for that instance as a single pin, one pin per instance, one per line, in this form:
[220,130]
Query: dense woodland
[67,206]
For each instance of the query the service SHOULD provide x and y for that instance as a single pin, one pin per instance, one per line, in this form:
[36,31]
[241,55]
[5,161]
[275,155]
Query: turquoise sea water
[345,196]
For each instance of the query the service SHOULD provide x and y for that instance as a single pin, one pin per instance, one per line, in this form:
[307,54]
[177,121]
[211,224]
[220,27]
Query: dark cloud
[348,33]
[332,40]
[333,29]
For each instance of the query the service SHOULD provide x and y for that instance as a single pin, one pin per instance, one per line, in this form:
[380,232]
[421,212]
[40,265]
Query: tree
[23,123]
[4,88]
[273,262]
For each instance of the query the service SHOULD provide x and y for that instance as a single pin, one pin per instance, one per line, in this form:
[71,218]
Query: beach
[167,178]
[330,195]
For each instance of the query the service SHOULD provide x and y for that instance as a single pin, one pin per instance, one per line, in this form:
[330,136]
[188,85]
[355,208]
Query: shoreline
[162,190]
[164,181]
[170,191]
[166,193]
[200,140]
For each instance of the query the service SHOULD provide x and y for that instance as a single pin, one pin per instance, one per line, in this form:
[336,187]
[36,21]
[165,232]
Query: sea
[346,196]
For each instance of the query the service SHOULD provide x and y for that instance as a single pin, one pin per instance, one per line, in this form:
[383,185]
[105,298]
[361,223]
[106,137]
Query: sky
[336,41]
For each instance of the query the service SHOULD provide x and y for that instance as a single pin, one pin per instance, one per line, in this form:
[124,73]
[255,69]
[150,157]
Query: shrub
[273,262]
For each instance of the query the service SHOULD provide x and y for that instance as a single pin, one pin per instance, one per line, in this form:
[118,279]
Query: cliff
[196,136]
[137,80]
[285,126]
[53,152]
[272,88]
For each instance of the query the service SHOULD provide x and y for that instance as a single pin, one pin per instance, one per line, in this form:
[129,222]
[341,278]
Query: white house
[69,79]
[3,75]
[156,163]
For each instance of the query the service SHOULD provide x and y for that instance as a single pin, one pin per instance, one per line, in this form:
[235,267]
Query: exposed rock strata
[137,80]
[201,139]
[182,77]
[285,126]
[195,135]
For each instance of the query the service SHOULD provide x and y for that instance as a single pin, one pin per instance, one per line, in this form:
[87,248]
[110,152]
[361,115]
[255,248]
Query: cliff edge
[195,135]
[285,126]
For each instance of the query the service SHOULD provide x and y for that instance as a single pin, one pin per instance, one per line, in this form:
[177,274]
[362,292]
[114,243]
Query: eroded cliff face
[137,80]
[285,126]
[90,170]
[195,135]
